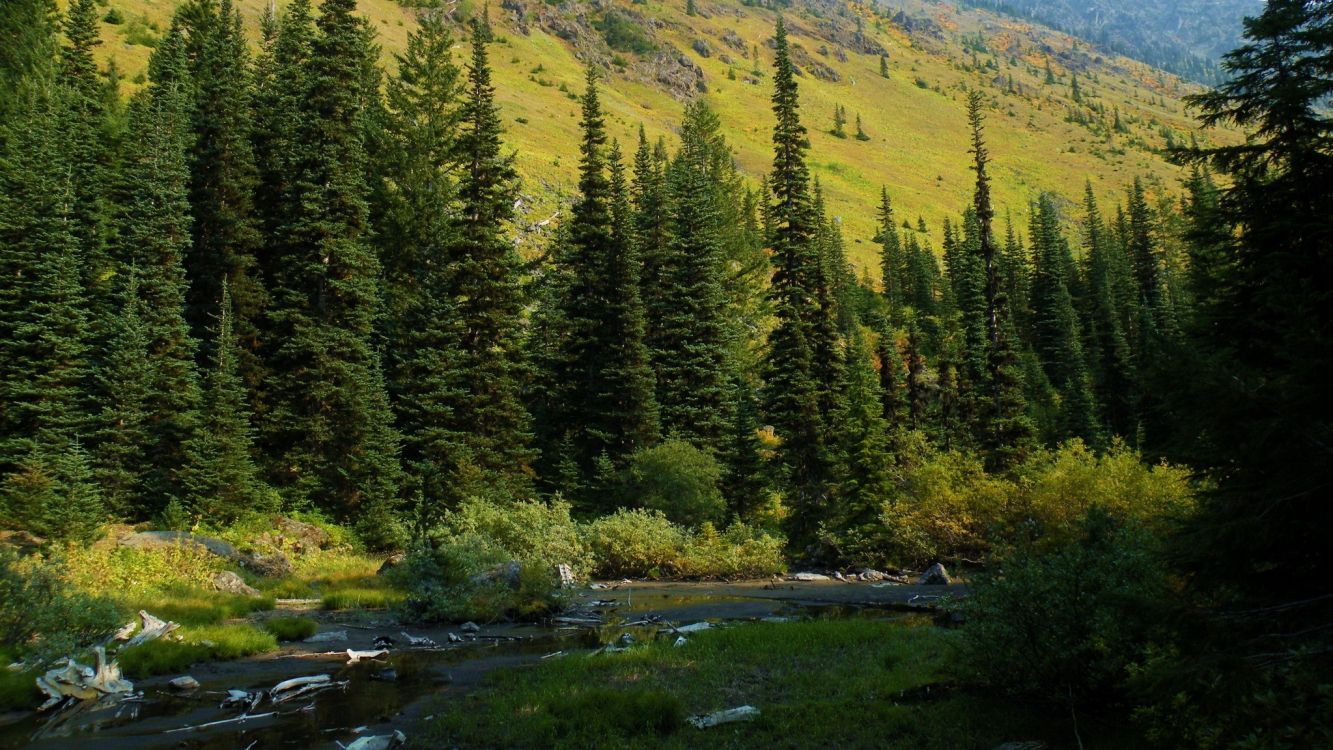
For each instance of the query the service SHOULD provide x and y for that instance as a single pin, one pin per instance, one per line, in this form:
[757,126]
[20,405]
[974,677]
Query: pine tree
[485,278]
[26,58]
[918,400]
[884,66]
[1004,422]
[44,363]
[791,397]
[225,238]
[689,8]
[123,449]
[603,381]
[892,379]
[742,463]
[690,348]
[1074,92]
[220,478]
[52,493]
[330,425]
[1144,255]
[839,122]
[861,454]
[423,260]
[860,134]
[892,267]
[152,234]
[83,124]
[1113,367]
[1056,334]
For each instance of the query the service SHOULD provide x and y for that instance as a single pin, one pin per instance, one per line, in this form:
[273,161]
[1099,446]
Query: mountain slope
[655,57]
[1186,37]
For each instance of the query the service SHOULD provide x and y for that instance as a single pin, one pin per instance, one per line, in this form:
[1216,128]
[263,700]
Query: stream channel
[395,691]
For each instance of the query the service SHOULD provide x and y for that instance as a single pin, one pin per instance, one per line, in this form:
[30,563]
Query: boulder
[935,575]
[391,562]
[275,565]
[701,47]
[807,577]
[870,575]
[509,574]
[184,682]
[21,542]
[301,536]
[229,583]
[167,539]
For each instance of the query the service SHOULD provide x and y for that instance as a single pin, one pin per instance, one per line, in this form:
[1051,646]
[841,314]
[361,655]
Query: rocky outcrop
[935,575]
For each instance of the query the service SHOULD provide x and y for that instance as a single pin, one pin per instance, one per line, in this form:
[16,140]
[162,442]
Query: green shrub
[679,480]
[41,616]
[1065,623]
[113,17]
[641,543]
[741,551]
[644,544]
[291,628]
[139,30]
[535,533]
[18,690]
[623,34]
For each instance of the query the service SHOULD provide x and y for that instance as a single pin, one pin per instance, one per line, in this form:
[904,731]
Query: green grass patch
[823,683]
[362,598]
[197,607]
[18,690]
[197,644]
[291,628]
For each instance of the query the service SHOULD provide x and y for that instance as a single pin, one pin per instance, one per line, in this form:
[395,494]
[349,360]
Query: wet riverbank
[391,691]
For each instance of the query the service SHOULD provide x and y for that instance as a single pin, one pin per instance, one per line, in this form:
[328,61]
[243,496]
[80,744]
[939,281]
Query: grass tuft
[197,644]
[291,628]
[362,598]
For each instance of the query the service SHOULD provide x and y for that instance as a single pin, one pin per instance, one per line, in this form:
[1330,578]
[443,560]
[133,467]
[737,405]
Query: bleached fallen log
[740,713]
[74,680]
[354,656]
[153,628]
[233,720]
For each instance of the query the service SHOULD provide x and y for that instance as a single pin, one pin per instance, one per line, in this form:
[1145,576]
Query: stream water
[391,692]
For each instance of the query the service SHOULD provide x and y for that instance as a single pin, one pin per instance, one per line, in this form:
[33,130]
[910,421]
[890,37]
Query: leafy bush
[42,616]
[946,507]
[132,572]
[1058,488]
[291,628]
[644,544]
[1066,623]
[535,533]
[679,480]
[623,34]
[635,543]
[448,582]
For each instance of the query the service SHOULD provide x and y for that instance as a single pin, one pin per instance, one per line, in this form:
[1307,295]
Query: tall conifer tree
[485,278]
[791,396]
[330,422]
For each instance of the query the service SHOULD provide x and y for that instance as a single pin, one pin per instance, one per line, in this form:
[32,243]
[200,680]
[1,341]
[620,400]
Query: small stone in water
[184,682]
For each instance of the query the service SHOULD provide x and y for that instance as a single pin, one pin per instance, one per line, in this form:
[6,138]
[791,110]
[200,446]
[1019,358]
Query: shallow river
[396,690]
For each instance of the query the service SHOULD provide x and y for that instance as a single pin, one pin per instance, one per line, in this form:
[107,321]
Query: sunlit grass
[830,683]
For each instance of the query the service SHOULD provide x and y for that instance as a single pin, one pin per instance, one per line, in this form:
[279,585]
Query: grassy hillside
[914,118]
